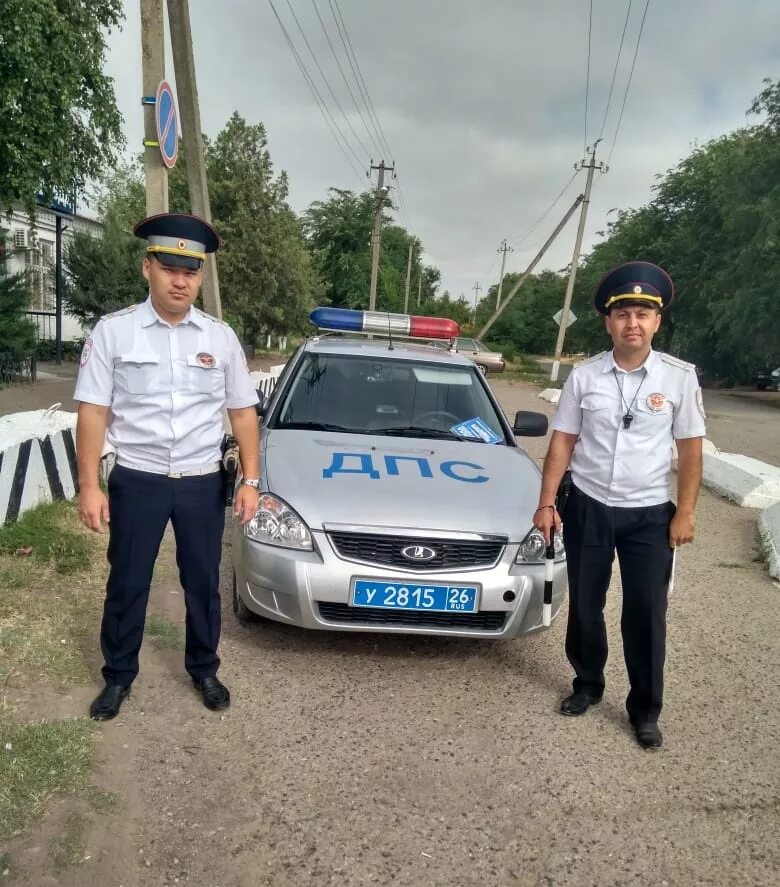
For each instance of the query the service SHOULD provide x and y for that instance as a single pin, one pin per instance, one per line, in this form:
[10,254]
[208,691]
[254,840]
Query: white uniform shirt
[628,467]
[167,386]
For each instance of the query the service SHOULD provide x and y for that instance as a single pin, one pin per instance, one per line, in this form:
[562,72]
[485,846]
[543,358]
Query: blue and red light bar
[411,326]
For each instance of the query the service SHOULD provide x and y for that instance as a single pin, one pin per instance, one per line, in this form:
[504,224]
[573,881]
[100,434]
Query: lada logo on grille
[418,553]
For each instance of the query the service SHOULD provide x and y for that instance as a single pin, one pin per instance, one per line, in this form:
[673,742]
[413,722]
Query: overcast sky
[482,103]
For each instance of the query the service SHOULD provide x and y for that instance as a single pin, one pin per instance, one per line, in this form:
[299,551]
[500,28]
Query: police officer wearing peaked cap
[157,376]
[619,414]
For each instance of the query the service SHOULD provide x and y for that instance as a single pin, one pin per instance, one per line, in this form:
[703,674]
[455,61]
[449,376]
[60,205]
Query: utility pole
[476,289]
[376,236]
[504,248]
[526,274]
[187,88]
[408,278]
[152,72]
[591,167]
[419,287]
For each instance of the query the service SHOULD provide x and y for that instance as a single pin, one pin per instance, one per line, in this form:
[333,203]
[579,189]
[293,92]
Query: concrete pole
[152,72]
[376,236]
[504,248]
[530,268]
[192,139]
[476,289]
[419,287]
[591,167]
[408,279]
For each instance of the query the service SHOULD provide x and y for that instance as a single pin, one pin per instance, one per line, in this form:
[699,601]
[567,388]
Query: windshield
[334,392]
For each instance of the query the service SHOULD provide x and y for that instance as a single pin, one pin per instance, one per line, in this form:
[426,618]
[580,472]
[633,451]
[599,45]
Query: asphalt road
[370,760]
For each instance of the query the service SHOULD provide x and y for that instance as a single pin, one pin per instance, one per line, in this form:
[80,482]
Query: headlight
[533,546]
[275,523]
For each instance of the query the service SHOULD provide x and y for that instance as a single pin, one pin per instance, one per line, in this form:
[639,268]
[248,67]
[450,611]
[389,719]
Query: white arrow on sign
[557,318]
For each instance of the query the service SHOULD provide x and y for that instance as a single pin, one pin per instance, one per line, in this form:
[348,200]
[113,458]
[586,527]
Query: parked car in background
[768,380]
[487,361]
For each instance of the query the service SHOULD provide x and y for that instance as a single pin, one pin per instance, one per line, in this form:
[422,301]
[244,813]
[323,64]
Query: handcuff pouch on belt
[564,489]
[229,466]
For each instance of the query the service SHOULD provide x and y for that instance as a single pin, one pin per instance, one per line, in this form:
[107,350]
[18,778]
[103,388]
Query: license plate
[433,597]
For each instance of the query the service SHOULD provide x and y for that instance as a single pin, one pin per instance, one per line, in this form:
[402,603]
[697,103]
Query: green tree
[59,124]
[266,275]
[17,332]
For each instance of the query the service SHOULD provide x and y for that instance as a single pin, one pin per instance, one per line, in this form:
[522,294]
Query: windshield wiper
[420,431]
[319,426]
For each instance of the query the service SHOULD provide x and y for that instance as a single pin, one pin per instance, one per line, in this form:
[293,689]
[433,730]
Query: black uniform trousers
[592,532]
[141,504]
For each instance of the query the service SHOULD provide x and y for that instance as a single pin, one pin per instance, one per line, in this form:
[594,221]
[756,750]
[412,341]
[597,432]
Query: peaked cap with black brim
[178,240]
[634,283]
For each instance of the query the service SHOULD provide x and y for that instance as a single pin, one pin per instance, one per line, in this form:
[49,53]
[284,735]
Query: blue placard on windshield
[476,428]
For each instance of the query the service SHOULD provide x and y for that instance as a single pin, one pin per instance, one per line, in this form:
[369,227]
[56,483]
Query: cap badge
[656,402]
[637,289]
[205,360]
[182,244]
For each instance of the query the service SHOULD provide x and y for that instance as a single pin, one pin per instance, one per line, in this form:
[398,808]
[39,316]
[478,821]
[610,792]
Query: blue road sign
[167,121]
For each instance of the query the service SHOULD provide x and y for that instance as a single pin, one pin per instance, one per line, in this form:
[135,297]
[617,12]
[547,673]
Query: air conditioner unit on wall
[20,238]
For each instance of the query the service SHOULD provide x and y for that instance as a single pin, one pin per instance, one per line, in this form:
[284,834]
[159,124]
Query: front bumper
[312,590]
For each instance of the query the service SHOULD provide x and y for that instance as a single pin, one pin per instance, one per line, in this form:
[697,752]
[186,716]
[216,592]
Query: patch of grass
[102,802]
[5,865]
[50,599]
[38,761]
[164,633]
[728,565]
[50,531]
[761,549]
[72,846]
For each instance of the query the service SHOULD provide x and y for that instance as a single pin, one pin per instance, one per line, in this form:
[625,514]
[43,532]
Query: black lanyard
[628,416]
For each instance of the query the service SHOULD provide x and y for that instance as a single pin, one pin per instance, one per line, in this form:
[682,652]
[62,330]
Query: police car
[394,496]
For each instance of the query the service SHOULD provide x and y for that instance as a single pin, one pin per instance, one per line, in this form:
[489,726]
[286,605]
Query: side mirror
[529,424]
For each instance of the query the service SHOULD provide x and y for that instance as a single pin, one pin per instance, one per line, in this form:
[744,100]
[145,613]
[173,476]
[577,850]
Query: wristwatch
[253,482]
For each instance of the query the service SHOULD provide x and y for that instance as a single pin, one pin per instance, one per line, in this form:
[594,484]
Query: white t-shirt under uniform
[628,467]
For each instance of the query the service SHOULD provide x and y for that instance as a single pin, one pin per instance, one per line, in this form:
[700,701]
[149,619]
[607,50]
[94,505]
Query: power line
[345,39]
[345,79]
[587,75]
[628,84]
[614,72]
[363,148]
[324,110]
[549,209]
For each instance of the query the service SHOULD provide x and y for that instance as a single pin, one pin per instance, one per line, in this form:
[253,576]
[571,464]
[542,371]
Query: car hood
[381,481]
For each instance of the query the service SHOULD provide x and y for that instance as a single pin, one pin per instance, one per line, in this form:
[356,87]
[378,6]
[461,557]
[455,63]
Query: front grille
[451,554]
[487,620]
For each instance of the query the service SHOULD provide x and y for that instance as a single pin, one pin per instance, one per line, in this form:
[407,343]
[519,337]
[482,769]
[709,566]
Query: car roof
[403,349]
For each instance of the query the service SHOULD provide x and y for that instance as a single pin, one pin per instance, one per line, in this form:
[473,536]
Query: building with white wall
[31,250]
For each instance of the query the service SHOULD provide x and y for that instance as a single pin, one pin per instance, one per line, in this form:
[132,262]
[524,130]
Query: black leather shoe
[648,735]
[216,695]
[107,704]
[578,704]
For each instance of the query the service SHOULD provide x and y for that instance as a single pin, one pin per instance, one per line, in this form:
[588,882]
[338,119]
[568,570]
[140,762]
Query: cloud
[482,103]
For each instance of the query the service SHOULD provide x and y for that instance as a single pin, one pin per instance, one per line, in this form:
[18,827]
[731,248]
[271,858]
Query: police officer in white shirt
[158,376]
[619,415]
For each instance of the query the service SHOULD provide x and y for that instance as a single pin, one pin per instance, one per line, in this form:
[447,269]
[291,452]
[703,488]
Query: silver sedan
[394,499]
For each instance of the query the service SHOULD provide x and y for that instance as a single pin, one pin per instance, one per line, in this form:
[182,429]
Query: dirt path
[370,760]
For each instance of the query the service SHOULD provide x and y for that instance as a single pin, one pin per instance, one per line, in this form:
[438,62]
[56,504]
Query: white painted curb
[769,529]
[746,481]
[551,395]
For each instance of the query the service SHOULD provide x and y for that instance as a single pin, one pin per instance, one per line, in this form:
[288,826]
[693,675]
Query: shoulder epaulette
[209,317]
[588,360]
[122,311]
[676,362]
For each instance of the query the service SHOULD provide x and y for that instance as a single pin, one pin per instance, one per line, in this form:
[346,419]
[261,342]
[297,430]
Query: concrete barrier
[551,395]
[769,530]
[746,481]
[37,460]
